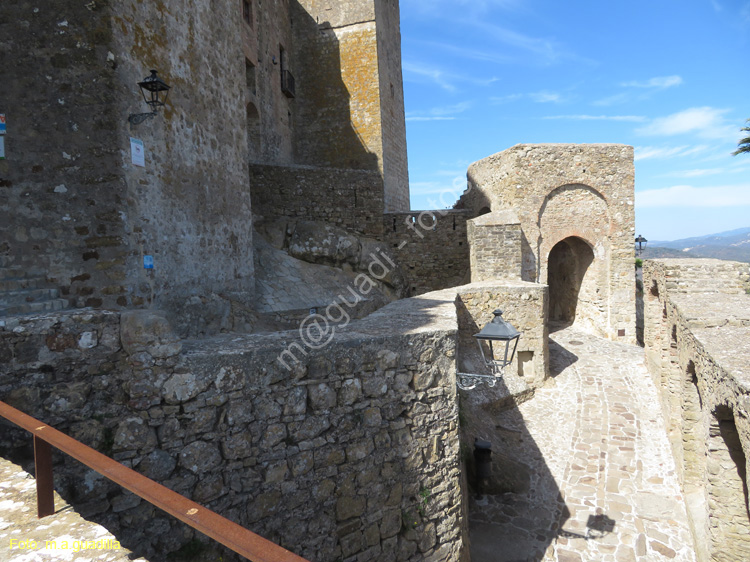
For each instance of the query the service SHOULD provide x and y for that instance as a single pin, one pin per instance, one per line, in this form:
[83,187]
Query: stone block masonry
[697,338]
[575,206]
[496,241]
[74,206]
[353,455]
[351,199]
[431,248]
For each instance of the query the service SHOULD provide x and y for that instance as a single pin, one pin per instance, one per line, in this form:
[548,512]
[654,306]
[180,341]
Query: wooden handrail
[230,534]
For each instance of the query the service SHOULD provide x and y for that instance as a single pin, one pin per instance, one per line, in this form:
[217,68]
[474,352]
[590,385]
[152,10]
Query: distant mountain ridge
[730,245]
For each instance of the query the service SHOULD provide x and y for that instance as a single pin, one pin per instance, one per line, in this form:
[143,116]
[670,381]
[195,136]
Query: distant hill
[731,245]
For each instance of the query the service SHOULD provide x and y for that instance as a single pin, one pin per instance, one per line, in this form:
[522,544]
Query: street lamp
[155,92]
[640,244]
[494,342]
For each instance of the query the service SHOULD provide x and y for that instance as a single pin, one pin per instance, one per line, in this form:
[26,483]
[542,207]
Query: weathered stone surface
[317,242]
[696,334]
[200,457]
[158,465]
[148,331]
[549,194]
[183,387]
[134,433]
[319,446]
[322,397]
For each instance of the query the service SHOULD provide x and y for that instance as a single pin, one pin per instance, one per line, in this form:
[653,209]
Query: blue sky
[669,77]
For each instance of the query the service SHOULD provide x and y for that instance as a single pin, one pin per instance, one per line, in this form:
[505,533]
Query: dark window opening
[247,12]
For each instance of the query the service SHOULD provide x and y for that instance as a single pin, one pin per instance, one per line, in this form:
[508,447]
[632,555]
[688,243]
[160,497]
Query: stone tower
[350,64]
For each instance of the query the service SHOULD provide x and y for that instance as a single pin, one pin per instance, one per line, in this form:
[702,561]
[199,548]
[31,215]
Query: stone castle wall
[563,193]
[270,115]
[351,454]
[341,451]
[351,199]
[60,200]
[350,108]
[393,118]
[430,247]
[697,329]
[75,207]
[496,242]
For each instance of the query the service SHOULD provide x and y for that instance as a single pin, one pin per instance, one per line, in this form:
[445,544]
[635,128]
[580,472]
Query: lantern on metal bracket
[497,342]
[640,245]
[155,92]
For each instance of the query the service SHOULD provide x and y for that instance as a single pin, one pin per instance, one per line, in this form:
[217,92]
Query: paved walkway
[62,536]
[601,483]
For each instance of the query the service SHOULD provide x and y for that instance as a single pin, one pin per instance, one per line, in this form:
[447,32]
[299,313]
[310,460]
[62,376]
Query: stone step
[20,283]
[10,298]
[52,305]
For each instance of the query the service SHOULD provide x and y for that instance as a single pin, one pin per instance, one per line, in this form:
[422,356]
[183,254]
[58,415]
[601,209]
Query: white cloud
[706,122]
[613,100]
[658,83]
[537,97]
[697,173]
[645,89]
[648,152]
[443,79]
[546,97]
[444,113]
[492,56]
[628,118]
[689,196]
[506,99]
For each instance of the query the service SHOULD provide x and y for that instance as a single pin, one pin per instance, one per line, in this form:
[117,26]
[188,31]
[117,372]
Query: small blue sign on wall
[148,262]
[2,123]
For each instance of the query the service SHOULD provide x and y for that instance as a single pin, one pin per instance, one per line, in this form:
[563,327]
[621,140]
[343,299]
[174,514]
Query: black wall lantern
[497,342]
[155,92]
[640,244]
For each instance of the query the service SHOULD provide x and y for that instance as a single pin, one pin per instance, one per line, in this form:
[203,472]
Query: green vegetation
[424,495]
[638,263]
[744,145]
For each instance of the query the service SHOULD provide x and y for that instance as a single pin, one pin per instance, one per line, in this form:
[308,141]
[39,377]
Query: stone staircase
[26,291]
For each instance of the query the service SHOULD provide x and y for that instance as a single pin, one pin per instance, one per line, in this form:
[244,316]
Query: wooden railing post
[45,497]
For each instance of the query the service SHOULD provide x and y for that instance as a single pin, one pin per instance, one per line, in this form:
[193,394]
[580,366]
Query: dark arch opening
[568,262]
[483,211]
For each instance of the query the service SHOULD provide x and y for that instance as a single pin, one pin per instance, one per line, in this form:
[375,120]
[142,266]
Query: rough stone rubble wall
[524,305]
[560,191]
[351,199]
[272,116]
[353,454]
[697,334]
[61,184]
[430,247]
[496,242]
[77,210]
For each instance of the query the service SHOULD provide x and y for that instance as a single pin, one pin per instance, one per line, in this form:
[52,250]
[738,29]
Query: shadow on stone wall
[521,511]
[354,451]
[324,131]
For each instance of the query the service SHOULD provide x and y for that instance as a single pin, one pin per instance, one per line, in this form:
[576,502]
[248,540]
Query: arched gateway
[562,215]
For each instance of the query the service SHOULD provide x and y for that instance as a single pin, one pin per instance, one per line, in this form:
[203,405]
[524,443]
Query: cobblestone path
[62,536]
[602,483]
